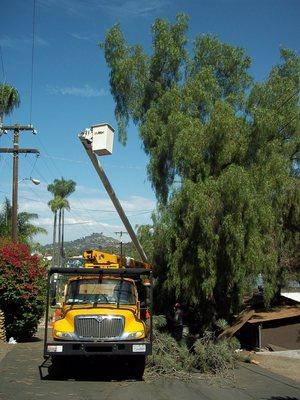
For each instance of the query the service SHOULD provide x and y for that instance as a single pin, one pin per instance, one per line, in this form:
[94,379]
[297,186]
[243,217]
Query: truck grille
[99,327]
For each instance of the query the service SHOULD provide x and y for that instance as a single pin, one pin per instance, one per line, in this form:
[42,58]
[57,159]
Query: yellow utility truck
[105,311]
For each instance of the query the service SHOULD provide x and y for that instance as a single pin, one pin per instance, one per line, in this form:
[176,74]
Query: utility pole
[120,233]
[16,150]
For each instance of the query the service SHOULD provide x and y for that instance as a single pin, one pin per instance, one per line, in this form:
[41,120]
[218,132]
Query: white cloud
[85,91]
[86,38]
[86,190]
[19,42]
[119,8]
[91,212]
[132,204]
[134,8]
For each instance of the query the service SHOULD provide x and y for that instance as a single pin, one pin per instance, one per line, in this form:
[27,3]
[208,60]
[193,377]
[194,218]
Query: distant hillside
[93,241]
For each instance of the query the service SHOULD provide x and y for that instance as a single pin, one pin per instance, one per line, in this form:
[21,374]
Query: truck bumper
[65,348]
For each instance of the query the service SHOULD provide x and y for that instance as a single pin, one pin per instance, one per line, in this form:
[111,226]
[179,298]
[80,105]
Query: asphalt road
[20,380]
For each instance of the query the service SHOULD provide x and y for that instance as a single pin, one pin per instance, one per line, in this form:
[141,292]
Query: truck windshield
[105,291]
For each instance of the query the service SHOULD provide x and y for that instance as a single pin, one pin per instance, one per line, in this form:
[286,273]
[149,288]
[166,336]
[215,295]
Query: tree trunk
[62,235]
[2,327]
[59,238]
[54,238]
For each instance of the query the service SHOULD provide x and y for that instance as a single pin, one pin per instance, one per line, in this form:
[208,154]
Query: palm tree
[26,229]
[63,205]
[9,99]
[54,206]
[61,189]
[5,218]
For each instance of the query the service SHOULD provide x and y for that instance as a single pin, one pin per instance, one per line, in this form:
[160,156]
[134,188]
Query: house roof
[282,312]
[249,315]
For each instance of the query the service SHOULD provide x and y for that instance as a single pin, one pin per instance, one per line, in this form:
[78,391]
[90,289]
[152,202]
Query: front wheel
[136,366]
[59,367]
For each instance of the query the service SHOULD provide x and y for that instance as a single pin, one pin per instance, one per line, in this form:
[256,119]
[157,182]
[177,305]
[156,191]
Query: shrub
[22,289]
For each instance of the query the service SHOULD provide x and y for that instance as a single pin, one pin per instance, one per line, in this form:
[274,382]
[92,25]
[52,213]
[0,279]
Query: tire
[58,368]
[136,367]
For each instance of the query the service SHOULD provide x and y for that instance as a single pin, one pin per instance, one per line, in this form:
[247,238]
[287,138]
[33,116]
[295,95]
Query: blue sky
[71,91]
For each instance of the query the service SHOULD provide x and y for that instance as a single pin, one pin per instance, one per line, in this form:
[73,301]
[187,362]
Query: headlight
[133,335]
[65,335]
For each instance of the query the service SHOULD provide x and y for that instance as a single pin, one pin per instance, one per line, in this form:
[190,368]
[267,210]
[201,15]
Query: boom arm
[88,148]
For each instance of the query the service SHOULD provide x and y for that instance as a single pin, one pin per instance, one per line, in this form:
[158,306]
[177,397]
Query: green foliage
[9,99]
[26,230]
[223,160]
[145,236]
[159,322]
[215,356]
[170,358]
[222,324]
[22,290]
[61,189]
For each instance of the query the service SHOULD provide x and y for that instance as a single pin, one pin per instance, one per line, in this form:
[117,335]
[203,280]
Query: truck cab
[105,311]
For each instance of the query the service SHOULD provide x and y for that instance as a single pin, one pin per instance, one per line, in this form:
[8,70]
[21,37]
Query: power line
[71,212]
[2,161]
[288,123]
[136,212]
[70,223]
[74,209]
[137,167]
[84,209]
[42,202]
[37,172]
[2,64]
[287,100]
[32,59]
[48,168]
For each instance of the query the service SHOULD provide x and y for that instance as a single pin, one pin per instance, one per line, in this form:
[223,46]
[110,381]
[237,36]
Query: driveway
[20,380]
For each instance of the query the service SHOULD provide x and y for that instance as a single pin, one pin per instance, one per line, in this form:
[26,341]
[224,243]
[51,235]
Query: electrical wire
[2,64]
[34,164]
[2,160]
[3,74]
[45,180]
[34,167]
[60,172]
[74,195]
[32,59]
[137,167]
[288,99]
[70,223]
[43,202]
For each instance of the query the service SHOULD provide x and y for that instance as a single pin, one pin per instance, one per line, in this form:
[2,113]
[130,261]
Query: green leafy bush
[22,289]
